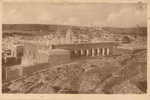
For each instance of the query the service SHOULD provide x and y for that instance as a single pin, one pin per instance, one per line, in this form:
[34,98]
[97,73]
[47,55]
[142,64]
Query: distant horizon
[76,25]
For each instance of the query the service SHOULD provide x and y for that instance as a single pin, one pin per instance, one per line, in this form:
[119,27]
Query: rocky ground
[122,74]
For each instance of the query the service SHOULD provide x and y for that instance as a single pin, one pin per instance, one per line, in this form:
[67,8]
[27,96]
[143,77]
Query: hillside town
[33,52]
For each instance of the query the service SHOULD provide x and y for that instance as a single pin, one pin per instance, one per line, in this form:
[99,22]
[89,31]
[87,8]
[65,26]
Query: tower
[69,35]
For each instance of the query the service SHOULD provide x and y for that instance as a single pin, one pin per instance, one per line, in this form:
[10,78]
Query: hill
[43,29]
[133,30]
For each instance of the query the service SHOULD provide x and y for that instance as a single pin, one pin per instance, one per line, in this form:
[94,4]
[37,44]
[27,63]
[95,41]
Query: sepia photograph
[74,48]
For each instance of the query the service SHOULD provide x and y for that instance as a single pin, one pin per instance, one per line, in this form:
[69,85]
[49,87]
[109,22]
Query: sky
[84,14]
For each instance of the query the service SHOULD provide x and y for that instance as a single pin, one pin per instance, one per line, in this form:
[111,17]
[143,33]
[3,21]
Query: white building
[69,36]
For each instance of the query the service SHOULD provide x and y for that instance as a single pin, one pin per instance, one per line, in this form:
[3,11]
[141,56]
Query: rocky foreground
[121,74]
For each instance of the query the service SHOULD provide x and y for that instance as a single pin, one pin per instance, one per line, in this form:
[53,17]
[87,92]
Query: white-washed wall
[32,55]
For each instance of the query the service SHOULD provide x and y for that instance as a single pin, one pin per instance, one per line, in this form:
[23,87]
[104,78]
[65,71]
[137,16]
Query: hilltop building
[69,36]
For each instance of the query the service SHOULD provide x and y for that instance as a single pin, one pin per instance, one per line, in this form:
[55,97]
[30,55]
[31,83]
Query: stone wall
[57,57]
[32,55]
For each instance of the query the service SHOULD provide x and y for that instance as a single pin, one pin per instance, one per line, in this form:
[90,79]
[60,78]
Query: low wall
[57,57]
[121,51]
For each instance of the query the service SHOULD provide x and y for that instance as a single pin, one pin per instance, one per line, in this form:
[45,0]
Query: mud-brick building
[12,55]
[11,58]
